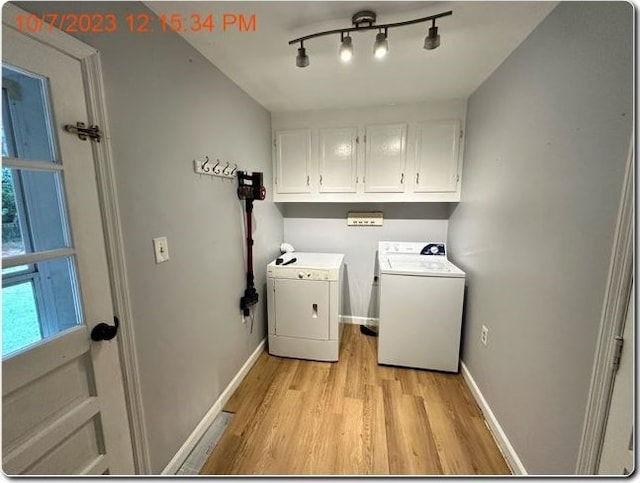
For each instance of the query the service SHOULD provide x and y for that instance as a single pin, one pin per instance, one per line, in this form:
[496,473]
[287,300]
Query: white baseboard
[349,319]
[184,451]
[513,460]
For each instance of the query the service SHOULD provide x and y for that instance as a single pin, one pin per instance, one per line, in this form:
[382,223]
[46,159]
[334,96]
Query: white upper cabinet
[293,161]
[436,164]
[379,154]
[385,158]
[337,160]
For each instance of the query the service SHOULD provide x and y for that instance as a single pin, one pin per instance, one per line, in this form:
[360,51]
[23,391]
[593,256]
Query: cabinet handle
[402,179]
[307,180]
[320,180]
[417,178]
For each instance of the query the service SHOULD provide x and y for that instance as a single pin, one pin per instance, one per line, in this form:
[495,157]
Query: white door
[337,159]
[63,407]
[293,158]
[385,155]
[617,457]
[437,157]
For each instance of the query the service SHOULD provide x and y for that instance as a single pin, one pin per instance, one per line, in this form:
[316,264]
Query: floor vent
[203,449]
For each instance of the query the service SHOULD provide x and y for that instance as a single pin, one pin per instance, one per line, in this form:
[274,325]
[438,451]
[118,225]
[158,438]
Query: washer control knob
[300,274]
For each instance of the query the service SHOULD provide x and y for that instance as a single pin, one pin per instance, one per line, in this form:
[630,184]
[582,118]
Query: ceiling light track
[364,21]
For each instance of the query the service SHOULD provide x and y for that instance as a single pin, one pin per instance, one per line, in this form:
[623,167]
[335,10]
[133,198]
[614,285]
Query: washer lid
[419,265]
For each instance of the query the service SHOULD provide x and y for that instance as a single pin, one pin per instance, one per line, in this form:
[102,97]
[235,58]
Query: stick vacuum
[250,188]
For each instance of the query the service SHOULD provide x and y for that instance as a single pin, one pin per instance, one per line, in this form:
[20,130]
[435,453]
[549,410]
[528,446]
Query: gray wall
[322,227]
[547,141]
[167,106]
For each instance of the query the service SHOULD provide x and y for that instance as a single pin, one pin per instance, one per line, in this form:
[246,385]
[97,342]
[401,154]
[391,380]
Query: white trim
[508,451]
[114,244]
[31,164]
[612,324]
[35,257]
[350,319]
[54,38]
[186,448]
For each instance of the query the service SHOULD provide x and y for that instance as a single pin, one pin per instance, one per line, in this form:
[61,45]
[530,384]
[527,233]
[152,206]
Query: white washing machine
[303,305]
[421,296]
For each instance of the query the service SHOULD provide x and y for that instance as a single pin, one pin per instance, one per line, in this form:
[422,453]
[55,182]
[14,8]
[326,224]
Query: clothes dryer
[303,305]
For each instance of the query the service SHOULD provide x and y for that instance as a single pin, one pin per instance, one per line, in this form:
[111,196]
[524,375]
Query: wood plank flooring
[353,417]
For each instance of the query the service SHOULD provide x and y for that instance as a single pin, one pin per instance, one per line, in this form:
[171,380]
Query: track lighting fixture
[346,48]
[363,21]
[381,46]
[302,59]
[432,40]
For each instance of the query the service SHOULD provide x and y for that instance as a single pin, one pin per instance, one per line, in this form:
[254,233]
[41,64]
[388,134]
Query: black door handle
[104,331]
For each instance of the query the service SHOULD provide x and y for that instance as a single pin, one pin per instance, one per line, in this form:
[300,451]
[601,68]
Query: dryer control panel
[297,273]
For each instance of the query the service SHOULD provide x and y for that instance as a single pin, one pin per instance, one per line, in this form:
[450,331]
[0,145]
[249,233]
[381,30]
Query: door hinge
[457,178]
[274,142]
[357,139]
[83,132]
[461,133]
[617,354]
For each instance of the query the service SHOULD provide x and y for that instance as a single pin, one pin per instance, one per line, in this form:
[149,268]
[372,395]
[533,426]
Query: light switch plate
[364,218]
[161,249]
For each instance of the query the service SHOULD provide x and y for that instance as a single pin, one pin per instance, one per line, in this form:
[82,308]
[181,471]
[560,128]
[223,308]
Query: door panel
[302,308]
[385,158]
[63,398]
[337,160]
[293,155]
[437,157]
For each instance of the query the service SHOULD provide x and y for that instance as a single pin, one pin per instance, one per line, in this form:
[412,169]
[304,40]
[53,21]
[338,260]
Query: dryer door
[302,308]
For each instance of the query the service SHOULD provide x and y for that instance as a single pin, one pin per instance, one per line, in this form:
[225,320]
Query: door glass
[25,101]
[33,213]
[40,295]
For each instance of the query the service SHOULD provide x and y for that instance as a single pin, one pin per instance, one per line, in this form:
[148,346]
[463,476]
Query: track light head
[432,40]
[302,59]
[381,45]
[364,21]
[346,49]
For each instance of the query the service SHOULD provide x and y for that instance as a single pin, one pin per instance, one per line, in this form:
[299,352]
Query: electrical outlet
[484,335]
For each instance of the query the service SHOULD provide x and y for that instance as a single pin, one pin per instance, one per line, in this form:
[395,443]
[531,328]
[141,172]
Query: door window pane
[26,130]
[39,304]
[33,214]
[20,326]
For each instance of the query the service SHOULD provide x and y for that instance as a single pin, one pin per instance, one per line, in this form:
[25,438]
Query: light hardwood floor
[353,417]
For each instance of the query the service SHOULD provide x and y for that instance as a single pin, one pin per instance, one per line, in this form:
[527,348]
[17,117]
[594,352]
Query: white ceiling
[474,42]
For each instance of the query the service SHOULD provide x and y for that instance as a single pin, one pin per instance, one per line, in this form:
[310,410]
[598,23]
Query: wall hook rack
[214,169]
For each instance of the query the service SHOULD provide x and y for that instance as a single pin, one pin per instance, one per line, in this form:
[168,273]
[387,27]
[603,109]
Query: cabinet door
[437,156]
[385,158]
[337,160]
[293,155]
